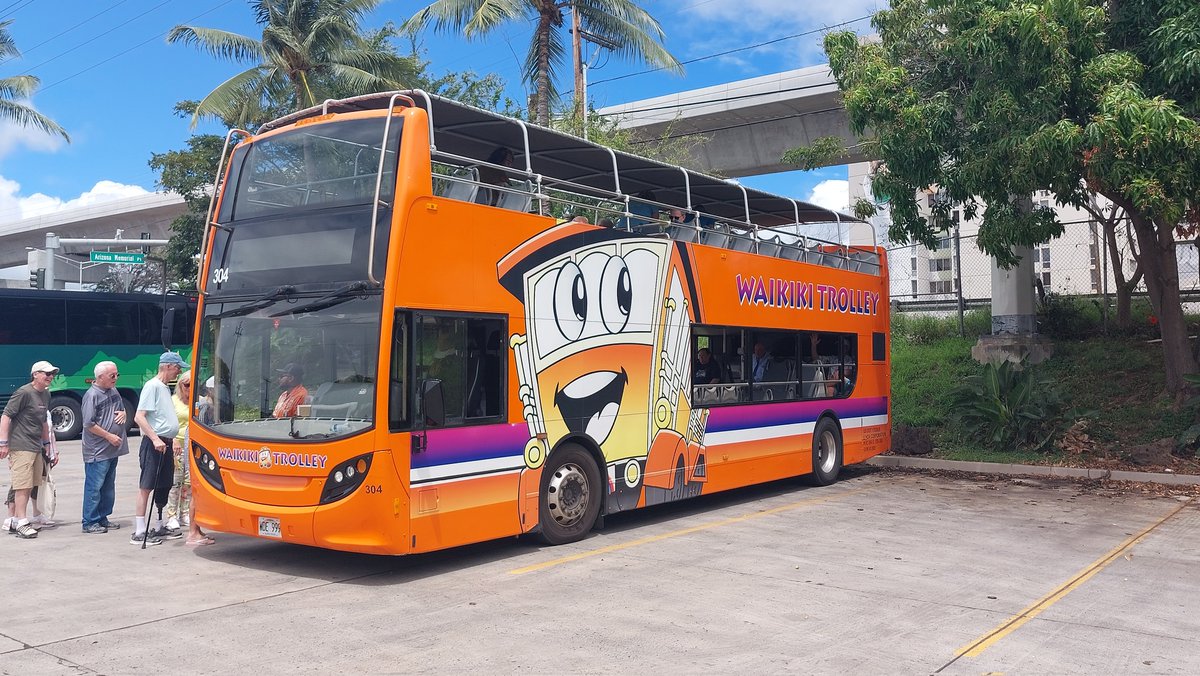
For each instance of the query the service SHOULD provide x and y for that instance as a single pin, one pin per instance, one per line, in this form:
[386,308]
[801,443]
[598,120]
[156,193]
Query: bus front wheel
[66,418]
[826,453]
[570,496]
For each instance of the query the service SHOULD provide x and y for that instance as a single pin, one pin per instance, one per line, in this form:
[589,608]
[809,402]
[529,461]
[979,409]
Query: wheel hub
[826,451]
[568,494]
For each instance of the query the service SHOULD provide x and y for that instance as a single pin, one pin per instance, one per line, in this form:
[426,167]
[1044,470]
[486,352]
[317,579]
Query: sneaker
[111,525]
[172,524]
[95,528]
[165,533]
[151,539]
[10,526]
[26,531]
[41,522]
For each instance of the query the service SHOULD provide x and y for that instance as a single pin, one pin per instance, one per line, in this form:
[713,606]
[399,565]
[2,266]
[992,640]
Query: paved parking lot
[881,573]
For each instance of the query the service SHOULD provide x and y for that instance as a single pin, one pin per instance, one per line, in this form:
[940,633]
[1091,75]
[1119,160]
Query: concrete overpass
[150,213]
[748,123]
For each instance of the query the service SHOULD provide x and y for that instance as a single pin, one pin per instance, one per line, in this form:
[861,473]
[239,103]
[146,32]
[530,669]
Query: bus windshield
[303,199]
[292,368]
[315,166]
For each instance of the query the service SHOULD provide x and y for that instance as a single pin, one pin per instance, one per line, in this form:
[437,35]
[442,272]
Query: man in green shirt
[23,432]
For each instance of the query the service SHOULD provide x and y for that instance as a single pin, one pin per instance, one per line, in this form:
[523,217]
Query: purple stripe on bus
[481,442]
[741,417]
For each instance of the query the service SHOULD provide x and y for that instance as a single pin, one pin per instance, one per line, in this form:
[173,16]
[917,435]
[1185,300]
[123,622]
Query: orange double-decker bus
[428,325]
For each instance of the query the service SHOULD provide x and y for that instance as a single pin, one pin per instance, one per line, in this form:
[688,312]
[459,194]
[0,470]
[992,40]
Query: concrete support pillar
[1013,310]
[1014,317]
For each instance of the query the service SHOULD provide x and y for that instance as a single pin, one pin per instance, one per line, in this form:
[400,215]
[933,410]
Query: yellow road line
[682,531]
[1013,623]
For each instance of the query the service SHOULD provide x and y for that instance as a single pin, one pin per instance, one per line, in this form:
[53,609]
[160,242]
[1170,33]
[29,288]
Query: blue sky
[109,78]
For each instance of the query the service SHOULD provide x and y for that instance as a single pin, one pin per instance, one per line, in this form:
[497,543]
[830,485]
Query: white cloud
[832,194]
[15,207]
[13,136]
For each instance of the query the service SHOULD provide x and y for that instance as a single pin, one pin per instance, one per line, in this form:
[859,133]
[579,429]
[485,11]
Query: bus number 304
[220,275]
[373,489]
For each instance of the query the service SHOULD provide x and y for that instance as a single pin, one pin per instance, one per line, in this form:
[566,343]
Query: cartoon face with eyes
[605,353]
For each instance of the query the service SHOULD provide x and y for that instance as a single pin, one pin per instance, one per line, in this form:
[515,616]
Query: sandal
[205,540]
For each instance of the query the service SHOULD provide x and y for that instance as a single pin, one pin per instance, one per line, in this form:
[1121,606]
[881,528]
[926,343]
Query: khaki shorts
[27,469]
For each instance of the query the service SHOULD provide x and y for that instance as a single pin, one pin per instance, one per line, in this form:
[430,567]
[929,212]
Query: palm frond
[26,116]
[218,43]
[228,101]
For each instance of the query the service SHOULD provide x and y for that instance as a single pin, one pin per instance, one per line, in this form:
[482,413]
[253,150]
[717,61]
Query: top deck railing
[555,174]
[544,196]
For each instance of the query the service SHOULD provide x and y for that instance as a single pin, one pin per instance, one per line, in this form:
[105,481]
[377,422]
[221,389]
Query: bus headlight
[345,477]
[207,464]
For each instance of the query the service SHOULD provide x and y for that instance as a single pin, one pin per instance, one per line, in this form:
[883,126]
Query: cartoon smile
[589,404]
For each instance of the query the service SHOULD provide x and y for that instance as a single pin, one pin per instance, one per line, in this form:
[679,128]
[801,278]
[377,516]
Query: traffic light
[37,278]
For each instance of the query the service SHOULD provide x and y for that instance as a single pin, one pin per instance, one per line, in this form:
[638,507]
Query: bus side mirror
[168,328]
[433,403]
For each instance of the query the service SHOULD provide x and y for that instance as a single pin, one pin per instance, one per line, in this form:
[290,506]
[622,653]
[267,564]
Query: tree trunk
[1161,269]
[542,76]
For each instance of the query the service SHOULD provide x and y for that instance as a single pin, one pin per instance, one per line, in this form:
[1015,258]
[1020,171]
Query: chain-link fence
[958,276]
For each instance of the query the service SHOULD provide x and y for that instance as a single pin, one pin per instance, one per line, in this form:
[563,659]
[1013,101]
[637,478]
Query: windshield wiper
[266,300]
[330,299]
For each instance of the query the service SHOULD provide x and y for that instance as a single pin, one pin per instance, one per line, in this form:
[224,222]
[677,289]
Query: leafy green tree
[310,50]
[622,22]
[17,88]
[989,100]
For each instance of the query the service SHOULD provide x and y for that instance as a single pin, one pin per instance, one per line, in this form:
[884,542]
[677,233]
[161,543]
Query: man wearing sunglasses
[104,441]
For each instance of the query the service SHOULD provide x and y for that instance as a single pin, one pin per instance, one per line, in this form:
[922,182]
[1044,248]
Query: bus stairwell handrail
[383,145]
[212,203]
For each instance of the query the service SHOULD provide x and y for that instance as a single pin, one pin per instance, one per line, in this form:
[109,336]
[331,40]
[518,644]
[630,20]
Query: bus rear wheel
[570,496]
[66,418]
[826,453]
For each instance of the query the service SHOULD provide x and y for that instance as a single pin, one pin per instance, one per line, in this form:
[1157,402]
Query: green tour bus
[75,330]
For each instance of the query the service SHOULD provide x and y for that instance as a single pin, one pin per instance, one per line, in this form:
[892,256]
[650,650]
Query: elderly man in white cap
[24,432]
[159,425]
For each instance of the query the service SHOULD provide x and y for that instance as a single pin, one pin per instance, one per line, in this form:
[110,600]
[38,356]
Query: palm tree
[310,50]
[622,22]
[21,87]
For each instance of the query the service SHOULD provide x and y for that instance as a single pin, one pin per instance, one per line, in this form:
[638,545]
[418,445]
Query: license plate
[268,527]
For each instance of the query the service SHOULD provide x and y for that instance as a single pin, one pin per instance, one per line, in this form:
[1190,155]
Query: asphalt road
[881,573]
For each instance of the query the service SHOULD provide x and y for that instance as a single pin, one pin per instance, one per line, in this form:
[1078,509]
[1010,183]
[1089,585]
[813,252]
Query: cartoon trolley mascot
[605,361]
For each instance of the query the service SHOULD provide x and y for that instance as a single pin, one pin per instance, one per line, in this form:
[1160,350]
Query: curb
[1036,470]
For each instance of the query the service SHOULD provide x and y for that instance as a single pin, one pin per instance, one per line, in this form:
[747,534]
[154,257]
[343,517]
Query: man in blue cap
[157,420]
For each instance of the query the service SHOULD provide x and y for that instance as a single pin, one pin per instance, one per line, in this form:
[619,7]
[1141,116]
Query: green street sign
[117,257]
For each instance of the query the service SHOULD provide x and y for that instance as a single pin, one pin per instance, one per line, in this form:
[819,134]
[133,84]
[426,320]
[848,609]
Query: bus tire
[570,496]
[66,418]
[826,453]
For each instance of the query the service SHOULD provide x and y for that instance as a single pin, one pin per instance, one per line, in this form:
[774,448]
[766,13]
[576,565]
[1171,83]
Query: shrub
[1068,317]
[1009,407]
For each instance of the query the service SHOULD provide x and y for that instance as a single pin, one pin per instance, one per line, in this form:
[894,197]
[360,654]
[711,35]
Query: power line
[97,37]
[123,53]
[5,13]
[739,49]
[25,52]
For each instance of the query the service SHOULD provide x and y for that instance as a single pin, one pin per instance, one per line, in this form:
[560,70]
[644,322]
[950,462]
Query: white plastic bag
[47,497]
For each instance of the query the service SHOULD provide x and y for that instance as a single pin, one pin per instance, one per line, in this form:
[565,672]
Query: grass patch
[1119,379]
